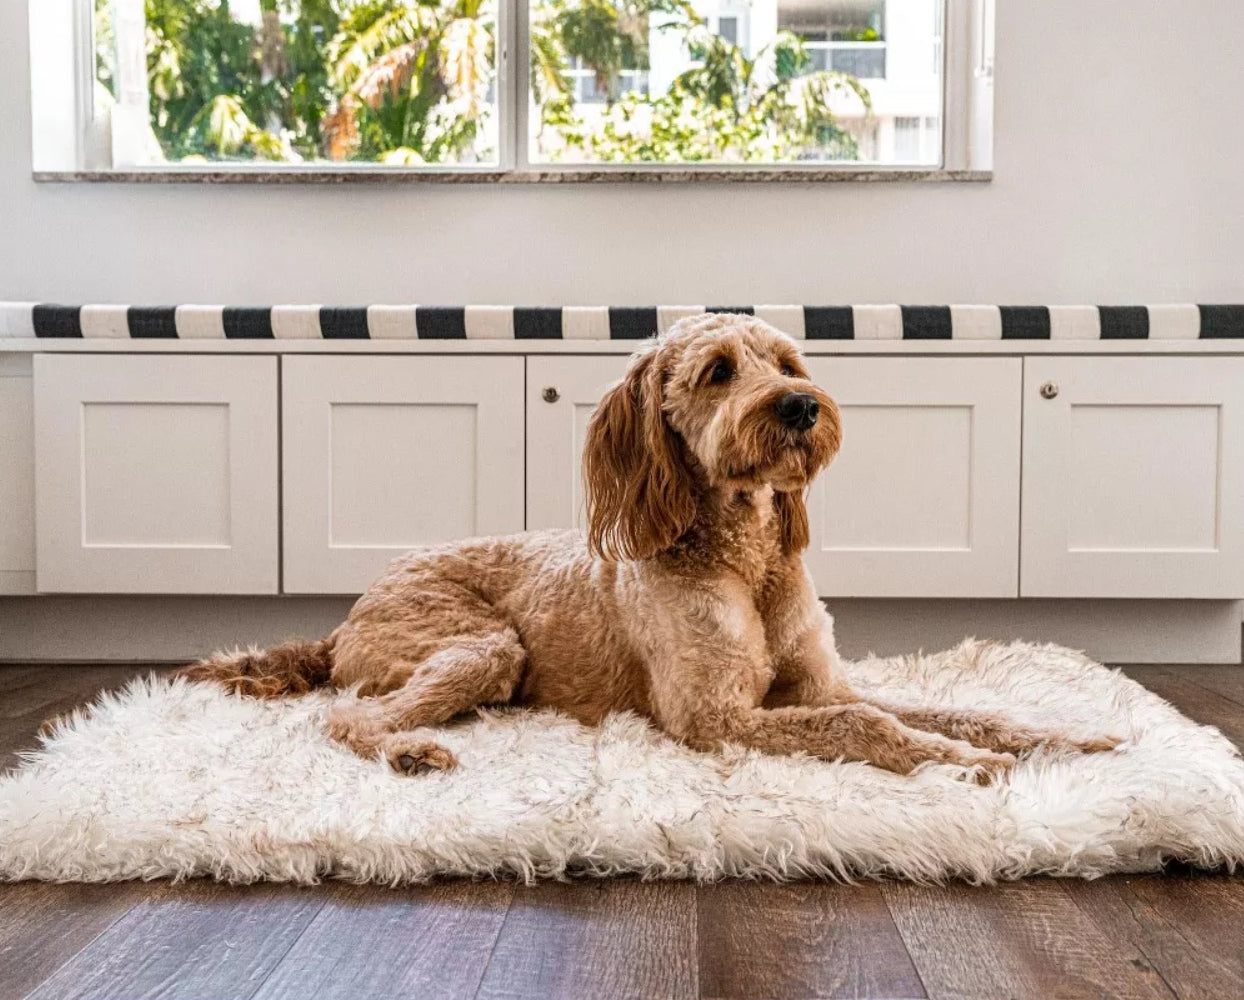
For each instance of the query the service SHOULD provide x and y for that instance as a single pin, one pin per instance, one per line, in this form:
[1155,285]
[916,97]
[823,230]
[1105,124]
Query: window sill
[558,175]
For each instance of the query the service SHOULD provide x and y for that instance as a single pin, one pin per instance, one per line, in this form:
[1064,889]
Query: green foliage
[104,49]
[408,82]
[728,107]
[594,32]
[413,79]
[308,92]
[859,34]
[342,79]
[197,53]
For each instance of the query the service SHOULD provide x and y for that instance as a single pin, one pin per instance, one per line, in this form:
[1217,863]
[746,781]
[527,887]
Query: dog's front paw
[986,767]
[1057,743]
[981,766]
[408,756]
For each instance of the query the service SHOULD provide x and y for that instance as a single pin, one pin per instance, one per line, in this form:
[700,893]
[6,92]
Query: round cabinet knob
[1048,390]
[550,394]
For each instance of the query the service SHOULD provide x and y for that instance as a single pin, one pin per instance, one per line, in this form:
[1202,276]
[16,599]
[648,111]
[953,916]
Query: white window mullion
[981,111]
[520,105]
[92,136]
[967,103]
[131,116]
[504,84]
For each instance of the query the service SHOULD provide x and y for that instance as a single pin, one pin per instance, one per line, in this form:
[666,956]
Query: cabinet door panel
[556,432]
[1133,477]
[386,454]
[156,474]
[923,499]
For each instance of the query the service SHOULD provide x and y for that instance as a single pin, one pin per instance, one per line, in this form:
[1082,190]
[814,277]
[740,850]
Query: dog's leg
[807,670]
[808,675]
[992,730]
[704,695]
[854,732]
[474,670]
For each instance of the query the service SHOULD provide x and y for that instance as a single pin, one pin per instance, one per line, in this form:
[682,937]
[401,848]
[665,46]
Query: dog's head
[720,401]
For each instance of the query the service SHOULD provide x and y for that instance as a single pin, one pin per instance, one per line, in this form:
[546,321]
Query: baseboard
[17,581]
[1109,631]
[155,629]
[67,629]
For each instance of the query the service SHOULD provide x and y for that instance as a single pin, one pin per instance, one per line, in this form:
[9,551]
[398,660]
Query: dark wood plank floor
[1179,934]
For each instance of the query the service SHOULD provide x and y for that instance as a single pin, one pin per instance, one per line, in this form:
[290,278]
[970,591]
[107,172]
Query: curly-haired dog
[687,601]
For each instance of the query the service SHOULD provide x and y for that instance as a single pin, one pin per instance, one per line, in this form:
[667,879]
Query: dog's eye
[723,371]
[788,369]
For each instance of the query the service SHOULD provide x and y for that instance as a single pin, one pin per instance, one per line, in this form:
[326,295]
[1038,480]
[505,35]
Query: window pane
[105,54]
[296,81]
[731,81]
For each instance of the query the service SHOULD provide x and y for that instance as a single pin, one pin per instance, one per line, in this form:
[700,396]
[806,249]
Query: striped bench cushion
[386,322]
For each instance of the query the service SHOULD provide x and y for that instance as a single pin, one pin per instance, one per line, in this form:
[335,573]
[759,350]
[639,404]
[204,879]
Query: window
[488,85]
[297,81]
[811,83]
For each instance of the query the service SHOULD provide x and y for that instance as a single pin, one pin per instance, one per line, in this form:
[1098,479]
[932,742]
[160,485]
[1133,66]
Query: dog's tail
[293,667]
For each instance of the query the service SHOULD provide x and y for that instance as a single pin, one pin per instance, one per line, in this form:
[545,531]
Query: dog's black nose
[797,410]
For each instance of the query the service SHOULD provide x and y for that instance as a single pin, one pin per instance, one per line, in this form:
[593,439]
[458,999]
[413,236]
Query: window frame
[70,143]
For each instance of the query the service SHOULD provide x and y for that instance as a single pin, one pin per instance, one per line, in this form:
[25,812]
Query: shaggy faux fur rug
[175,779]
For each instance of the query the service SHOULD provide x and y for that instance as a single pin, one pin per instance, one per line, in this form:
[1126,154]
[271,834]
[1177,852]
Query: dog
[686,601]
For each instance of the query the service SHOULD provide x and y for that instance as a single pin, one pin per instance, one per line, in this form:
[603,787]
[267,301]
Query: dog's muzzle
[797,410]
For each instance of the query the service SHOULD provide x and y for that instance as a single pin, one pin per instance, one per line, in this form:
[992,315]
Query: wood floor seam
[1234,699]
[924,986]
[1135,940]
[492,949]
[285,954]
[102,931]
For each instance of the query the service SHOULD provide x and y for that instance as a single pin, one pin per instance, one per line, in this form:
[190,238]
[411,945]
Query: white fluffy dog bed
[176,779]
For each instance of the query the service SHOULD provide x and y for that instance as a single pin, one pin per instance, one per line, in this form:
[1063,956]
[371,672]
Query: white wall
[1119,143]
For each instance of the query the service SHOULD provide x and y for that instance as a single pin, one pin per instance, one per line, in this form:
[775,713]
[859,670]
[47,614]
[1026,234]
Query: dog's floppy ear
[640,496]
[792,512]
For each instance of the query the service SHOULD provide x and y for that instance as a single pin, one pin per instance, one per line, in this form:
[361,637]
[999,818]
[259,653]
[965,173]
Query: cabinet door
[556,427]
[1133,477]
[383,454]
[156,474]
[923,499]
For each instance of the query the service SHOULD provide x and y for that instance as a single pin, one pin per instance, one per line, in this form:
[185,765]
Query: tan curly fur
[686,602]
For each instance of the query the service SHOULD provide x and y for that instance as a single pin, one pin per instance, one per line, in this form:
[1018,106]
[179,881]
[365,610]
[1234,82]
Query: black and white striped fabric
[409,322]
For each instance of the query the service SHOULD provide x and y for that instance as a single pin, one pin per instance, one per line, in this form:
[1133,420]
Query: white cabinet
[385,454]
[923,499]
[163,474]
[1133,477]
[156,474]
[562,394]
